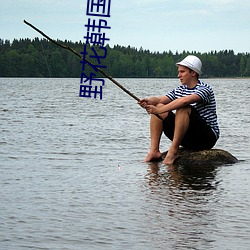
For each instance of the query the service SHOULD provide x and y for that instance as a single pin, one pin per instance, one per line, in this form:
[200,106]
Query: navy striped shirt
[206,108]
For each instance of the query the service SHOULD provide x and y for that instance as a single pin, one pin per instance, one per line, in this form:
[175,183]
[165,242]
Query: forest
[41,58]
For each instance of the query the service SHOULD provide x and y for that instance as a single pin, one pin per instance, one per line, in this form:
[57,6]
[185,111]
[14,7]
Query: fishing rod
[79,55]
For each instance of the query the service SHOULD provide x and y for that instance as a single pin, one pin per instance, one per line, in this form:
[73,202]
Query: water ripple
[72,175]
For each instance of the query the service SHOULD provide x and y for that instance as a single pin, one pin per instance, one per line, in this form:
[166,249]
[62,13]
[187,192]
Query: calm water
[72,175]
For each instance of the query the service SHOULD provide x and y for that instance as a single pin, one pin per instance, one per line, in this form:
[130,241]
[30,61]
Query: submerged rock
[204,157]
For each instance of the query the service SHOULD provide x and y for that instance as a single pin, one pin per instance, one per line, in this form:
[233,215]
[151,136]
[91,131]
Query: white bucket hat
[191,62]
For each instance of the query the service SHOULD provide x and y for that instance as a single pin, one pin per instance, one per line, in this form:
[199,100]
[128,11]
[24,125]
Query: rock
[213,157]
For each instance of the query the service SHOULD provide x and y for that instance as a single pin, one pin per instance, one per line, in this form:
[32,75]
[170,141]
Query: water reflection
[183,198]
[183,177]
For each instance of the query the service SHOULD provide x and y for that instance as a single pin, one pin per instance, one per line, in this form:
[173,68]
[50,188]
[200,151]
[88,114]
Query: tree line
[41,58]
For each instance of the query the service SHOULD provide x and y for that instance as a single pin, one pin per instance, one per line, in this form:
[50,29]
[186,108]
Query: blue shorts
[199,135]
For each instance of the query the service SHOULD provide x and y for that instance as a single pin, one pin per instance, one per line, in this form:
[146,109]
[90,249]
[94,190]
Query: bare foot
[153,156]
[170,157]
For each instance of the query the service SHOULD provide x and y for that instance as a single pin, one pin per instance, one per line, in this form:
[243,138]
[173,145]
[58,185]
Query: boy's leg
[181,126]
[156,128]
[199,135]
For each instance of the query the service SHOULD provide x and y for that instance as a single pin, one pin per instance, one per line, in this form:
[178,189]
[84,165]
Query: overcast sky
[157,25]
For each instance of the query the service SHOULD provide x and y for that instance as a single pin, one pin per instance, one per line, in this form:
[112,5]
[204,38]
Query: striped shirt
[206,108]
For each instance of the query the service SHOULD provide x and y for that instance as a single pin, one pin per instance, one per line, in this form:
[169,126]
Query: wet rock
[205,157]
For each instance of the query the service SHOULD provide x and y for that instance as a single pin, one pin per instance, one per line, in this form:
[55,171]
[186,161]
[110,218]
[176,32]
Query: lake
[72,174]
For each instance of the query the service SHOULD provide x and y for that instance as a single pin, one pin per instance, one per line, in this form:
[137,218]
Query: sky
[155,25]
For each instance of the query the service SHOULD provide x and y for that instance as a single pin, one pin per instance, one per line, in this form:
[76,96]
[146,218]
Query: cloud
[147,2]
[225,5]
[221,2]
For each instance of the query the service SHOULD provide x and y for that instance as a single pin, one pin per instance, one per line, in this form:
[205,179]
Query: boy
[194,125]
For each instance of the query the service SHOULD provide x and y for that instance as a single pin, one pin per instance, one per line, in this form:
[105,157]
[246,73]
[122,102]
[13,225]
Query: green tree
[41,58]
[247,69]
